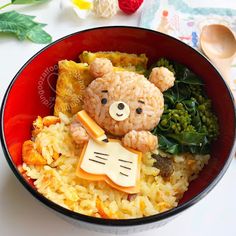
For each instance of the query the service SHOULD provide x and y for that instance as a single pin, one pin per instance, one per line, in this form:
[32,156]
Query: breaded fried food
[73,78]
[131,62]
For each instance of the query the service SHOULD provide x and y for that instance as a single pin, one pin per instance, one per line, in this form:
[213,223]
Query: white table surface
[22,215]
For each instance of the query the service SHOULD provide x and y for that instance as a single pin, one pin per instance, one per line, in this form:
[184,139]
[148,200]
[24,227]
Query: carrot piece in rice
[30,155]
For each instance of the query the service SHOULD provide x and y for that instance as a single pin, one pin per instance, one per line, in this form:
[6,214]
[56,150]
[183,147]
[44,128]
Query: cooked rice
[129,88]
[58,181]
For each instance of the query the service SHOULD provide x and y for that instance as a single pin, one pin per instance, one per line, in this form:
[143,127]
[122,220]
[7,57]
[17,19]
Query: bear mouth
[119,114]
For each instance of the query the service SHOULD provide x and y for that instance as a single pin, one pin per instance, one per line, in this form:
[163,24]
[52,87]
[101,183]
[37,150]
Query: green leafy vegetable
[18,2]
[191,138]
[168,145]
[184,75]
[5,5]
[23,27]
[187,123]
[27,1]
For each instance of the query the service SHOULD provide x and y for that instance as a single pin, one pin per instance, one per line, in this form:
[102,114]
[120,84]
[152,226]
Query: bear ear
[100,67]
[162,78]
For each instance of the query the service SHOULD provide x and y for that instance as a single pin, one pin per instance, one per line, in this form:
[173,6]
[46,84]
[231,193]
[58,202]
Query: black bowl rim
[111,222]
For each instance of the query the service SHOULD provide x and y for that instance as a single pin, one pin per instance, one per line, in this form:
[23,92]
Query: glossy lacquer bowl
[32,93]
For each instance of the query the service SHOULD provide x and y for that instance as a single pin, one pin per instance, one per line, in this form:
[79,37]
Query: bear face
[123,101]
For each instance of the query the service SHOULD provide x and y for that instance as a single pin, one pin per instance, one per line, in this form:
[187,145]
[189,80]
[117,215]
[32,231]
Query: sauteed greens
[188,123]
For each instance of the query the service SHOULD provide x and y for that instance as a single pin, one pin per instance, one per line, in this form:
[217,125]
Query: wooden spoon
[219,45]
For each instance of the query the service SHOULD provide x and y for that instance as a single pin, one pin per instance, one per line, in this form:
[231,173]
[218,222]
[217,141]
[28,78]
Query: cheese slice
[94,130]
[112,163]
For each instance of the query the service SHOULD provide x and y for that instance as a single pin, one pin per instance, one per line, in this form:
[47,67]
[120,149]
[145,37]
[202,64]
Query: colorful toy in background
[100,8]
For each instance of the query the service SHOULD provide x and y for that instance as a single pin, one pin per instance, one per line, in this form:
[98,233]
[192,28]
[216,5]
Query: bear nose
[121,106]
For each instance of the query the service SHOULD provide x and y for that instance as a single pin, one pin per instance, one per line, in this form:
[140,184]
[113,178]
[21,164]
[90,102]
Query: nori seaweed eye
[104,101]
[139,110]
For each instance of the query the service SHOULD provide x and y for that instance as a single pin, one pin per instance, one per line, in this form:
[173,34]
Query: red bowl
[31,93]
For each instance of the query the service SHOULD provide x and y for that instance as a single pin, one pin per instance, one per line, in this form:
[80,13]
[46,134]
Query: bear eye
[139,110]
[104,101]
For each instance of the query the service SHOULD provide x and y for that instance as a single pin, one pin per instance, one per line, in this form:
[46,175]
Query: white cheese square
[113,160]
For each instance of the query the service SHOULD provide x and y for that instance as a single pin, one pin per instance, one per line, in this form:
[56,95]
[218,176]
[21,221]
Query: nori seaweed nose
[121,106]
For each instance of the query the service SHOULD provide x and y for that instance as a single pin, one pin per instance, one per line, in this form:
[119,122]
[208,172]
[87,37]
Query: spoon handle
[224,69]
[223,65]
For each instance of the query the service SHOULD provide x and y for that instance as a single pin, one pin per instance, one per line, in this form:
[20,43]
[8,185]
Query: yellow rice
[58,181]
